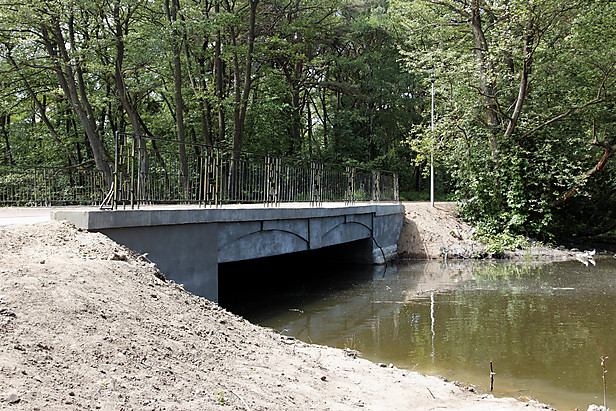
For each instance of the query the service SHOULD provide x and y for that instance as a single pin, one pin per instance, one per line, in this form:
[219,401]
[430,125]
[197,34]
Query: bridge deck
[24,215]
[34,215]
[163,215]
[188,242]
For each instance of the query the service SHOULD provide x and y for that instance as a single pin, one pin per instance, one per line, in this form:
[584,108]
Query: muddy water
[544,327]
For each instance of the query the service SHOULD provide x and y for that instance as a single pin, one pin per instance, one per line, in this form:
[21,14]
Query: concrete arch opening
[250,287]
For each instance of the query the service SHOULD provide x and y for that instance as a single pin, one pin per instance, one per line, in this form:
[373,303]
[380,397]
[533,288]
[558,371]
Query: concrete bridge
[187,243]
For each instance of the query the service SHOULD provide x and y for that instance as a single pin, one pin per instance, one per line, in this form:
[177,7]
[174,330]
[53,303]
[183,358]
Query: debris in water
[586,257]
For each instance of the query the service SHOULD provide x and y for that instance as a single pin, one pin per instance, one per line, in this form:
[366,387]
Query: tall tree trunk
[293,76]
[5,120]
[296,125]
[172,8]
[218,67]
[242,94]
[71,129]
[325,116]
[72,84]
[198,87]
[523,87]
[309,125]
[121,29]
[204,105]
[204,117]
[486,84]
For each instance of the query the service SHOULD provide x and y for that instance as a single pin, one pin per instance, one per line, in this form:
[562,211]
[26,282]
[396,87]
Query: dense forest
[312,79]
[523,92]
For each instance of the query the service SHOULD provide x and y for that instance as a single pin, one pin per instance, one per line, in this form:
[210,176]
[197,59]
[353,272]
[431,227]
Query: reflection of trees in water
[517,317]
[536,322]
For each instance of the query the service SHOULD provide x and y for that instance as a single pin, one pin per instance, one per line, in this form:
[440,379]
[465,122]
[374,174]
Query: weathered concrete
[187,243]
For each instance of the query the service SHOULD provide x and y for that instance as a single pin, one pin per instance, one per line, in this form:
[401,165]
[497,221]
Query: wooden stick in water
[491,377]
[603,358]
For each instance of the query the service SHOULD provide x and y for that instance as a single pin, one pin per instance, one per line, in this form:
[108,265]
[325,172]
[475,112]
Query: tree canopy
[310,78]
[524,92]
[525,96]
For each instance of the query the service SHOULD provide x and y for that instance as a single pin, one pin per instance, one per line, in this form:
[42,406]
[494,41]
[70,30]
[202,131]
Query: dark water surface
[544,327]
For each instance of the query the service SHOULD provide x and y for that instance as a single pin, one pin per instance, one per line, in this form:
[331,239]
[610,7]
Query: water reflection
[545,327]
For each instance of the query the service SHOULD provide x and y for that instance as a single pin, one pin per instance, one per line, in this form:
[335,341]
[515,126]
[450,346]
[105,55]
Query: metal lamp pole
[432,151]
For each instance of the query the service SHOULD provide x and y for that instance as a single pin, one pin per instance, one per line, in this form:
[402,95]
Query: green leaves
[518,87]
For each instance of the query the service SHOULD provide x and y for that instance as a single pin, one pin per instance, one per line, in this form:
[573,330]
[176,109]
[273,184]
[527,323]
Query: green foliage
[415,196]
[513,156]
[497,241]
[325,79]
[486,275]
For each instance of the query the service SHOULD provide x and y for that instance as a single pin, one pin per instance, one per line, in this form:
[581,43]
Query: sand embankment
[436,232]
[428,232]
[85,324]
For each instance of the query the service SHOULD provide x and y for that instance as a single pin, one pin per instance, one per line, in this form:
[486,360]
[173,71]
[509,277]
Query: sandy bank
[84,324]
[427,230]
[430,232]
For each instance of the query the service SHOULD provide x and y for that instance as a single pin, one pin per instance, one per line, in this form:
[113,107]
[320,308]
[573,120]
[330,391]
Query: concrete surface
[188,242]
[24,215]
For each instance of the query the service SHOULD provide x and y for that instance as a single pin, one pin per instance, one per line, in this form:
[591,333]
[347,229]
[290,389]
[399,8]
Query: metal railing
[47,186]
[150,170]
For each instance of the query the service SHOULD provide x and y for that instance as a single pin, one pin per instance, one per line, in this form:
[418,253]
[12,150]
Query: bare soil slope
[433,232]
[85,324]
[427,230]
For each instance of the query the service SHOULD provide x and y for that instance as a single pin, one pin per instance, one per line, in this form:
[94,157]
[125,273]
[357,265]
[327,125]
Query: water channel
[545,327]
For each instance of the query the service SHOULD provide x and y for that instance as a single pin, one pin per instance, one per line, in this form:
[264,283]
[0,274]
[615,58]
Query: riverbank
[85,324]
[436,232]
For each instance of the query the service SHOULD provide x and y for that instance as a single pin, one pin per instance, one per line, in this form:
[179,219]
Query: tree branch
[597,99]
[608,151]
[450,7]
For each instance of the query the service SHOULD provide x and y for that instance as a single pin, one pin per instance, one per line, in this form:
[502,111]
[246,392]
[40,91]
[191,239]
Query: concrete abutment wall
[187,244]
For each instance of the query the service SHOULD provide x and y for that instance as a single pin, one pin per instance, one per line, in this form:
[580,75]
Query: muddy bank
[85,324]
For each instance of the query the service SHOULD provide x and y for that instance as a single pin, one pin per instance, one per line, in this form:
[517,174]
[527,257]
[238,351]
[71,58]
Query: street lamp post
[432,151]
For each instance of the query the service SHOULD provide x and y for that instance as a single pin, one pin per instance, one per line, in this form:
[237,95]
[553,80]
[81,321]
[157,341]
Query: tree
[172,8]
[50,37]
[310,78]
[515,99]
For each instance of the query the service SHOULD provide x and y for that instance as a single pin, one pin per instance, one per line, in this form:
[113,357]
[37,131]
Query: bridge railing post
[350,193]
[140,167]
[266,177]
[116,171]
[316,176]
[376,186]
[131,173]
[396,188]
[209,172]
[277,181]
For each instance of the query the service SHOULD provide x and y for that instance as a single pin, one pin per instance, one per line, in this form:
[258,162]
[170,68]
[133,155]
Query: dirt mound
[86,324]
[437,232]
[431,232]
